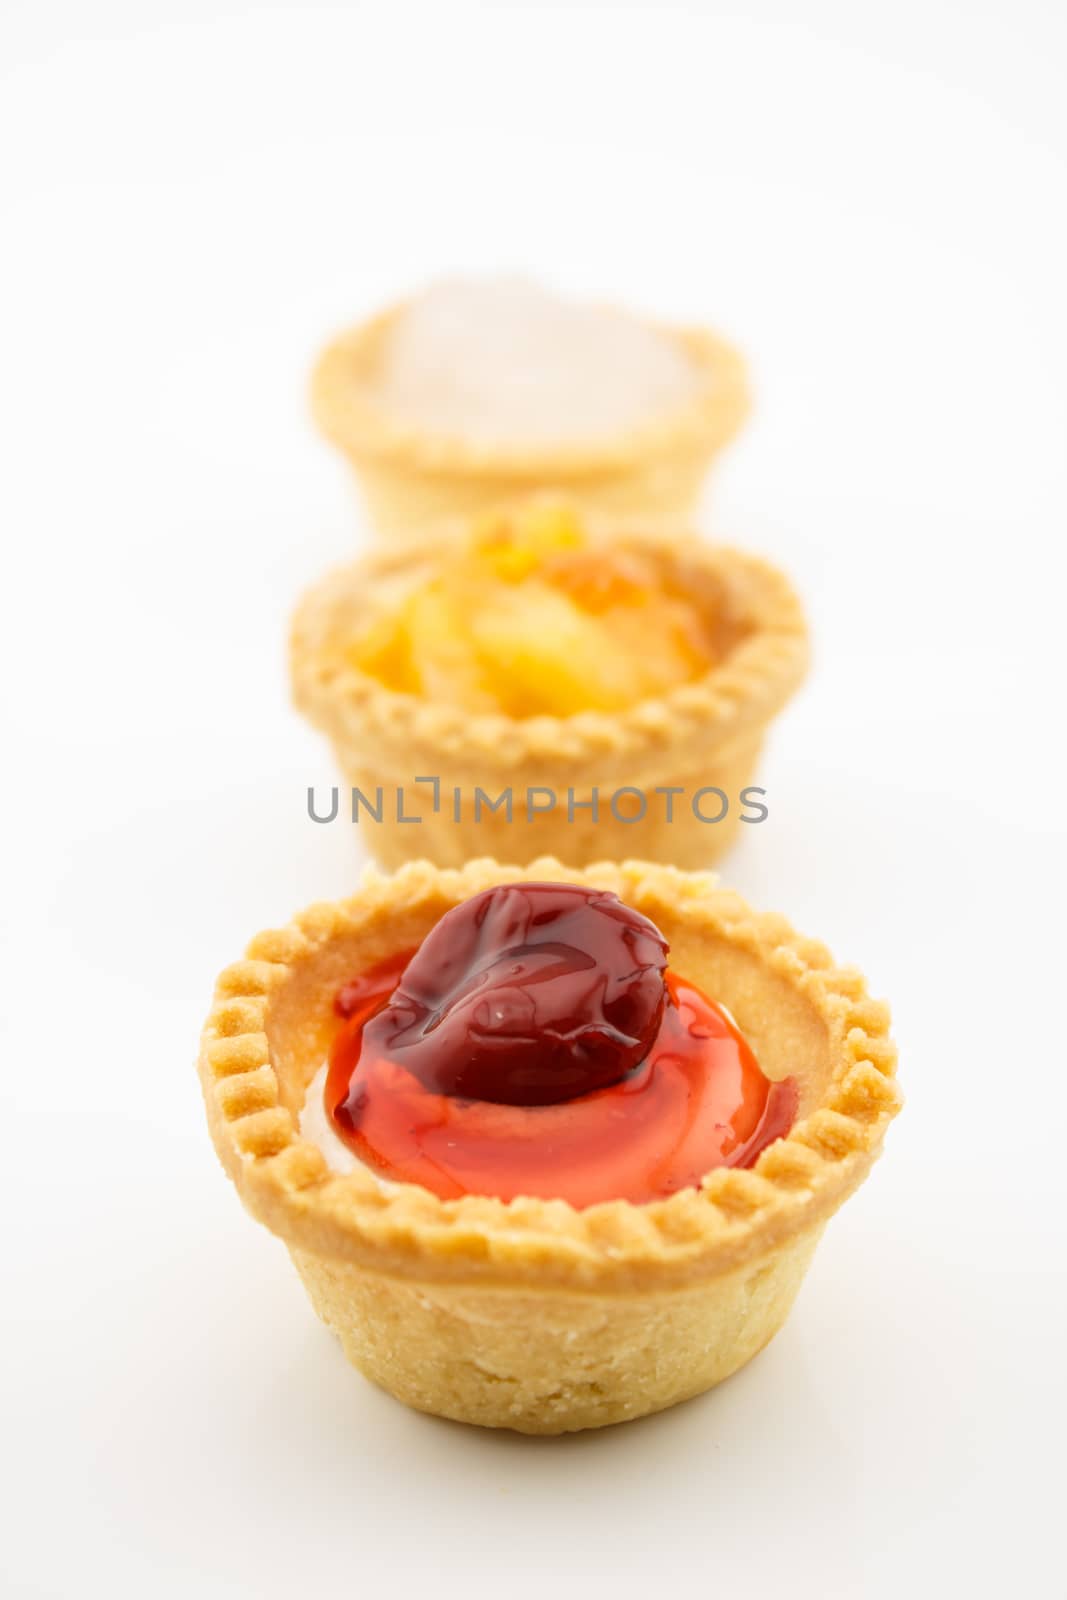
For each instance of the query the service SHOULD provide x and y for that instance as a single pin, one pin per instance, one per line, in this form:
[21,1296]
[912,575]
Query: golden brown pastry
[542,687]
[532,1312]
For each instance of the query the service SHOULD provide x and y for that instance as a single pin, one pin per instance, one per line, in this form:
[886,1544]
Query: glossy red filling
[535,1044]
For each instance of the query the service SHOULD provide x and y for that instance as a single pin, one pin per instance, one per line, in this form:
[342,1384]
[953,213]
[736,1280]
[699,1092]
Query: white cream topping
[501,360]
[316,1127]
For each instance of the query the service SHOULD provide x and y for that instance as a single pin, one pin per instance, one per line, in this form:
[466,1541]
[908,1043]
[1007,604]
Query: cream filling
[317,1129]
[502,360]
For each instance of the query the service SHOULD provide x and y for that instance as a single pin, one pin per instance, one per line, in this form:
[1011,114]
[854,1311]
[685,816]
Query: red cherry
[529,994]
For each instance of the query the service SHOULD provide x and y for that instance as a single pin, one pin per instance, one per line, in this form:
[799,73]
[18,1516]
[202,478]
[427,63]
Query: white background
[868,198]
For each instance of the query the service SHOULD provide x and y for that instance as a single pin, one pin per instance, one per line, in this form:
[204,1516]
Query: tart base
[685,840]
[531,1314]
[468,1353]
[402,500]
[705,734]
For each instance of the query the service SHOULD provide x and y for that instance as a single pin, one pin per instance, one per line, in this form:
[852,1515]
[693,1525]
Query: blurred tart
[476,392]
[542,687]
[549,1149]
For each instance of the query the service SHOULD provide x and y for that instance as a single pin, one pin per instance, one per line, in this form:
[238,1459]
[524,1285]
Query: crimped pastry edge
[746,689]
[344,406]
[735,1216]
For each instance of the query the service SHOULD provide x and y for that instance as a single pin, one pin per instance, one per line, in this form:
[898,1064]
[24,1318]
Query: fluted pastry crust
[705,732]
[529,1314]
[269,1027]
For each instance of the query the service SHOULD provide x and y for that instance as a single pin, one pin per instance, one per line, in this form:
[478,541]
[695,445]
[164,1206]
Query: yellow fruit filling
[528,618]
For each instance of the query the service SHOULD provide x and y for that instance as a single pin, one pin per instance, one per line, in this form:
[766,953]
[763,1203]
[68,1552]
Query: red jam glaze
[674,1091]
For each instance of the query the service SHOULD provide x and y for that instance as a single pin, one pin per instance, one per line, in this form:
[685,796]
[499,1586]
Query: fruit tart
[474,392]
[550,1149]
[548,688]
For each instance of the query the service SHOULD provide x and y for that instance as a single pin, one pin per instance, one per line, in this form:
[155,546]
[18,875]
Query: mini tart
[410,477]
[530,1314]
[707,732]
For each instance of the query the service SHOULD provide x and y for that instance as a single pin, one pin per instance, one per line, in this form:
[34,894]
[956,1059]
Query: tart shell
[703,734]
[531,1314]
[410,477]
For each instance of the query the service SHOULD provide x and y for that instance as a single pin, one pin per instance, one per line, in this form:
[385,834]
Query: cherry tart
[550,1148]
[536,1044]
